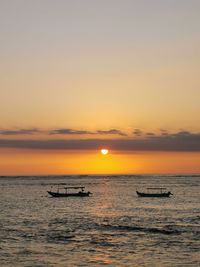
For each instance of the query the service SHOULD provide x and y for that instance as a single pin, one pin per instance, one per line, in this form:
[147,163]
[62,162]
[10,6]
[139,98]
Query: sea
[112,227]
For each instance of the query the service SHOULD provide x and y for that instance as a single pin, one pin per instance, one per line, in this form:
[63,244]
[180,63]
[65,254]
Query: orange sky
[86,162]
[99,71]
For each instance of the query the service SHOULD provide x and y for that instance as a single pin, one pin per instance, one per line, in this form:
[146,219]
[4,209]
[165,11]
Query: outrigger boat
[155,193]
[66,193]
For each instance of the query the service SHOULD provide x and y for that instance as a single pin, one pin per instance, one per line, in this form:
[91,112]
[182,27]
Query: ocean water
[113,227]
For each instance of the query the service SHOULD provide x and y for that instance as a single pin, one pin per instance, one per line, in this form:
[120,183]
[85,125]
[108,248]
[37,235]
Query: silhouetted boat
[161,193]
[66,193]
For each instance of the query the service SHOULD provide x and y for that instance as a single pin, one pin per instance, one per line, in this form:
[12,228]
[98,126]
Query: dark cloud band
[181,141]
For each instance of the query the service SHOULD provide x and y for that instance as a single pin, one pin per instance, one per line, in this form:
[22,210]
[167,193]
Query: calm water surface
[112,228]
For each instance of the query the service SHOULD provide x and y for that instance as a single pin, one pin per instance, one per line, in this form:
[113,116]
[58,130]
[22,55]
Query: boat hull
[166,194]
[79,194]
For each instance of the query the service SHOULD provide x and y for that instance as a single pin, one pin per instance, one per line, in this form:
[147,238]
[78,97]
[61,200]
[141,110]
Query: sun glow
[104,151]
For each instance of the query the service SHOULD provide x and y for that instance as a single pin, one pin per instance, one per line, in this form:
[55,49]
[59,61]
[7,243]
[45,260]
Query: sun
[104,151]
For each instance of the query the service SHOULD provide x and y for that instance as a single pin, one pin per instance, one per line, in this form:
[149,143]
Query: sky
[78,76]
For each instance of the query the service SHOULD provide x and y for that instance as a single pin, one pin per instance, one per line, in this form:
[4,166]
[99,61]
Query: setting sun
[104,151]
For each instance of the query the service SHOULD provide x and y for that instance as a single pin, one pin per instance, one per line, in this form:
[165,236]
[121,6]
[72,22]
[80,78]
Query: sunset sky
[78,76]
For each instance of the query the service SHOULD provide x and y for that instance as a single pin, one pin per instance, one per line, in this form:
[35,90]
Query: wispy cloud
[67,131]
[181,141]
[150,134]
[60,131]
[19,131]
[111,131]
[84,132]
[137,132]
[164,132]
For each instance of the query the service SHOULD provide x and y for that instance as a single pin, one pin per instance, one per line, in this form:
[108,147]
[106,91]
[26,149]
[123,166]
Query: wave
[153,230]
[59,237]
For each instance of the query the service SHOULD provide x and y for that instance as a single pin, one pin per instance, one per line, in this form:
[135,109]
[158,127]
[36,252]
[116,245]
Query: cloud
[137,132]
[150,134]
[60,131]
[19,131]
[181,141]
[111,131]
[68,131]
[164,132]
[182,133]
[83,132]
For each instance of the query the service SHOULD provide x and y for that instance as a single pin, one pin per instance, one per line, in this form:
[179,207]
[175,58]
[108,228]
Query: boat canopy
[74,187]
[157,188]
